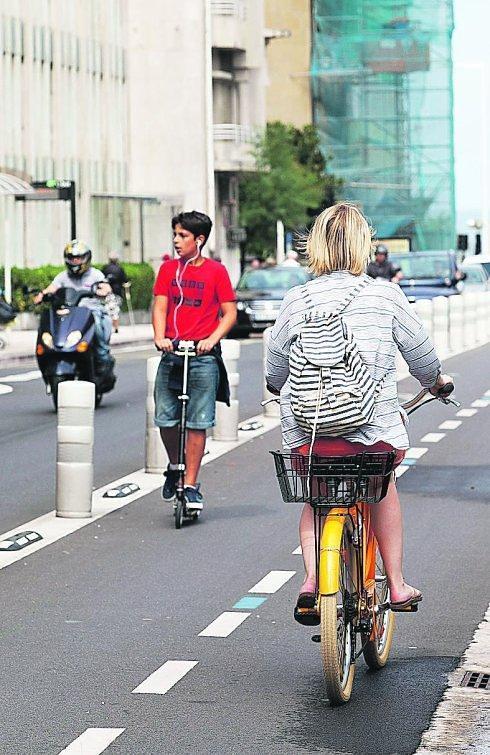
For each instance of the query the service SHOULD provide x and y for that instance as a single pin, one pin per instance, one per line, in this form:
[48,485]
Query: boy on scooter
[191,292]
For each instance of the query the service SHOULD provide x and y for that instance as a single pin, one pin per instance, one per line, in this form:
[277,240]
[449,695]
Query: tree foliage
[291,184]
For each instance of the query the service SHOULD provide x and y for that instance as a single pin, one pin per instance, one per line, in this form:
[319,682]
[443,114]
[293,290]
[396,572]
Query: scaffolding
[383,104]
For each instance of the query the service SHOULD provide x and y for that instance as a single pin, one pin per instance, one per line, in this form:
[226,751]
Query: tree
[290,184]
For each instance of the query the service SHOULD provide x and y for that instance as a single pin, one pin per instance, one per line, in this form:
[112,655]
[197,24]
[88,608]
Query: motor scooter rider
[80,275]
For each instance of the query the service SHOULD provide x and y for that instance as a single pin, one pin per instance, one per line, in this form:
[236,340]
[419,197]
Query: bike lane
[90,618]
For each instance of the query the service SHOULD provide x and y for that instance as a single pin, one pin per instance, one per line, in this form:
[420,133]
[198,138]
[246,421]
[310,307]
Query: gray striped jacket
[381,320]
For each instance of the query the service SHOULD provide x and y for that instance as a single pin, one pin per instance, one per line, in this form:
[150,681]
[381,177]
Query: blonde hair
[340,239]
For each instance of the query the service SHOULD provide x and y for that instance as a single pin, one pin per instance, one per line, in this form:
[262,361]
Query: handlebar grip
[445,390]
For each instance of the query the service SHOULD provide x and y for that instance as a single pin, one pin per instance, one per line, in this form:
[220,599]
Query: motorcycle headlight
[73,338]
[47,340]
[240,305]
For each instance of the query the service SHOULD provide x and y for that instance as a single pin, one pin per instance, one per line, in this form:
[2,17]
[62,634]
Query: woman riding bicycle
[381,320]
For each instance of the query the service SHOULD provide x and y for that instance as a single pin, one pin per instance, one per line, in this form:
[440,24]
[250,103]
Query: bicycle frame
[328,546]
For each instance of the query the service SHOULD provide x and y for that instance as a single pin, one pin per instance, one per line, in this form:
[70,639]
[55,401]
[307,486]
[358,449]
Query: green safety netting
[383,103]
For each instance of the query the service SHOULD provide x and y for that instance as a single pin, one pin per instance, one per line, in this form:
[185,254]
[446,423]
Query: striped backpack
[332,391]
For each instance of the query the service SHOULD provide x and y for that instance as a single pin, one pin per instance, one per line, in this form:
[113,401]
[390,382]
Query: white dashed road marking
[92,742]
[273,581]
[4,389]
[433,437]
[399,471]
[225,624]
[466,412]
[165,677]
[21,377]
[450,424]
[297,551]
[479,403]
[415,453]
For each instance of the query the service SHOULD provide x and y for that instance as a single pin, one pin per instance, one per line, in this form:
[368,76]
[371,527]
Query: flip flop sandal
[409,605]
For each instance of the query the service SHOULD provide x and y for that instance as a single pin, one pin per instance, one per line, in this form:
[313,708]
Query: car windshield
[423,265]
[274,277]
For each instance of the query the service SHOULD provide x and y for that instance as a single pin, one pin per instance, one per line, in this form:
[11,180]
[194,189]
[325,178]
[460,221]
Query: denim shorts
[202,389]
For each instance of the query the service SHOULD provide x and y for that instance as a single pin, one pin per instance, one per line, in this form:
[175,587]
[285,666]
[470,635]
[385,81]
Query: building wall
[288,61]
[64,113]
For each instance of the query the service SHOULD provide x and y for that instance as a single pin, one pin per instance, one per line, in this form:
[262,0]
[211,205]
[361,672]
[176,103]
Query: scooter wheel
[178,514]
[55,382]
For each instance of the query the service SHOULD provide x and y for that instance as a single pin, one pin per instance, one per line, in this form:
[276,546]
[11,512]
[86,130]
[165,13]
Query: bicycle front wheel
[376,648]
[337,613]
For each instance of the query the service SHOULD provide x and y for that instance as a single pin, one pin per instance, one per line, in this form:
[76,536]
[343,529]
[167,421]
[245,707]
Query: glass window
[275,278]
[423,265]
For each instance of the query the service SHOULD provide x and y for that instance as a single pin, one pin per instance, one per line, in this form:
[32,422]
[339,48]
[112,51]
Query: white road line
[479,403]
[298,551]
[433,437]
[165,677]
[450,424]
[466,412]
[4,389]
[225,624]
[399,471]
[53,528]
[21,377]
[415,453]
[273,581]
[92,742]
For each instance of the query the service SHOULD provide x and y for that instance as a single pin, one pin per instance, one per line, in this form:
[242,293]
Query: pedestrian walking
[116,276]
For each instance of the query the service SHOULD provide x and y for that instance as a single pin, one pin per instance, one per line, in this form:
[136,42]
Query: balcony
[228,24]
[233,146]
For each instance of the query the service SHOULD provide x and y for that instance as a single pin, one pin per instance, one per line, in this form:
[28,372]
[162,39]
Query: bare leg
[386,521]
[170,438]
[194,451]
[307,539]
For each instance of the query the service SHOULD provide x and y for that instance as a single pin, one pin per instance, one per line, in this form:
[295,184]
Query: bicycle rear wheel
[337,613]
[376,649]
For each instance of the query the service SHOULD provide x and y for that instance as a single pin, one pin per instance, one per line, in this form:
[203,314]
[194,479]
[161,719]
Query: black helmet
[77,258]
[381,249]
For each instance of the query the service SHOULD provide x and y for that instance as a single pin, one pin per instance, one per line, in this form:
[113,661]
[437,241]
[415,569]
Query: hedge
[139,273]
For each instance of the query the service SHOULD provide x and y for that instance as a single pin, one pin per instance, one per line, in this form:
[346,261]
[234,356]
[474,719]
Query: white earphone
[178,279]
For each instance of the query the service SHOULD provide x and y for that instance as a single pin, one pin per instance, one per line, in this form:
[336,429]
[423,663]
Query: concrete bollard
[441,325]
[230,350]
[481,323]
[74,457]
[455,304]
[271,409]
[469,320]
[423,307]
[226,427]
[156,458]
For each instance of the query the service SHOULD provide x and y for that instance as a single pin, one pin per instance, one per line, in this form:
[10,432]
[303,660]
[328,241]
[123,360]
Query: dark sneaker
[170,484]
[193,498]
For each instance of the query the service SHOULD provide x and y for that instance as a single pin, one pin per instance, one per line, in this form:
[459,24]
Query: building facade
[149,111]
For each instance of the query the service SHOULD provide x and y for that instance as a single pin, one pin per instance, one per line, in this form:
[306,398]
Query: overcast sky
[471,59]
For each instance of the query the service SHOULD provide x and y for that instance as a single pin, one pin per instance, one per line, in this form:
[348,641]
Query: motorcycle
[65,348]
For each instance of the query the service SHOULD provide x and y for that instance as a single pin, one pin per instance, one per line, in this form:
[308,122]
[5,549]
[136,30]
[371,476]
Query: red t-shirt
[204,289]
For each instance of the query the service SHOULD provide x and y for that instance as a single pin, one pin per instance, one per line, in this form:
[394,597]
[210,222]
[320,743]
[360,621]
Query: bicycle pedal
[316,638]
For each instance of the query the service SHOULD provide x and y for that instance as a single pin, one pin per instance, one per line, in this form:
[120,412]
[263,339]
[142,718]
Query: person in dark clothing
[117,278]
[382,267]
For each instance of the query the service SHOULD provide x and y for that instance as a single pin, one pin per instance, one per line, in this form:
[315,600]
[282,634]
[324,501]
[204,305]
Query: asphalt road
[89,618]
[28,431]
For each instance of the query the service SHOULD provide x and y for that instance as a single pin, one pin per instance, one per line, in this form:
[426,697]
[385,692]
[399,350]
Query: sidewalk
[21,344]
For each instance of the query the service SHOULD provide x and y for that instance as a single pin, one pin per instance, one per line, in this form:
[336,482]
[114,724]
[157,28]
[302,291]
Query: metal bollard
[441,325]
[226,427]
[272,409]
[74,457]
[156,458]
[230,350]
[455,324]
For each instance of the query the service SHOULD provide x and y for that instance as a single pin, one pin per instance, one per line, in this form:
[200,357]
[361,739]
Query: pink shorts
[342,447]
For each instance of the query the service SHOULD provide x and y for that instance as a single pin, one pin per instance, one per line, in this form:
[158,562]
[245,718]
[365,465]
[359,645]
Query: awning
[10,184]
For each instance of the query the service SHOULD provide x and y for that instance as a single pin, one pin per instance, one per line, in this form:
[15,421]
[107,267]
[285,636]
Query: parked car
[477,269]
[429,274]
[259,296]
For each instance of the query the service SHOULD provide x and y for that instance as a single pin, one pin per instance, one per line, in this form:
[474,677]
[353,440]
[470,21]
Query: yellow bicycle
[352,602]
